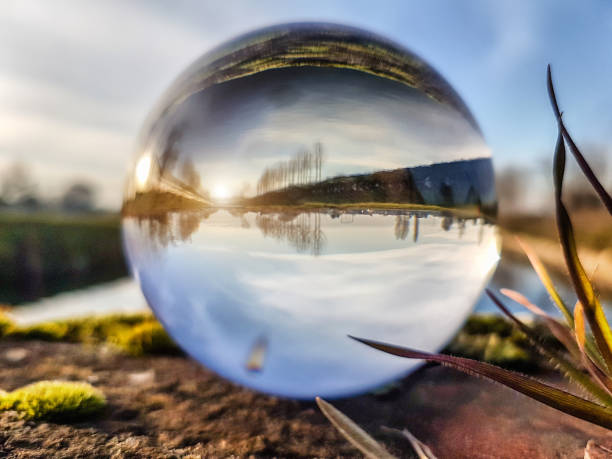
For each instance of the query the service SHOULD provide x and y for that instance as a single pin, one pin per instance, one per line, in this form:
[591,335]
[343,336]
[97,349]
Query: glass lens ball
[304,183]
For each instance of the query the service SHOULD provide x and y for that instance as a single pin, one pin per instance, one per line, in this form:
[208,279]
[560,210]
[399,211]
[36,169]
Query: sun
[143,169]
[220,191]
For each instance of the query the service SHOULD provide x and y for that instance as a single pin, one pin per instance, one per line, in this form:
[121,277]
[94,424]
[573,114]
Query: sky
[78,78]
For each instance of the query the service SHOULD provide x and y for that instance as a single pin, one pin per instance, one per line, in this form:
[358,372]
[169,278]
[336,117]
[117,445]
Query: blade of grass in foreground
[599,376]
[353,433]
[542,273]
[544,393]
[582,285]
[556,358]
[559,331]
[584,165]
[421,449]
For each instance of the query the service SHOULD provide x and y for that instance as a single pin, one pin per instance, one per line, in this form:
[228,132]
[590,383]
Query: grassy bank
[43,254]
[134,334]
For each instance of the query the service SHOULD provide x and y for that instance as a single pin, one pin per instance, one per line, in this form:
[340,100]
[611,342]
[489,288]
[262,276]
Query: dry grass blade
[555,357]
[421,449]
[542,273]
[549,395]
[594,451]
[353,433]
[582,285]
[599,376]
[559,331]
[586,169]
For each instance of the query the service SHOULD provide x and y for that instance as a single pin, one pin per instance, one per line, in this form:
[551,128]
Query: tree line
[305,167]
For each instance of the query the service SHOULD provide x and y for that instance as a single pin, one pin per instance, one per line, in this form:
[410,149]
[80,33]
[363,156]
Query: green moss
[493,348]
[136,334]
[495,340]
[7,326]
[480,324]
[55,400]
[104,328]
[46,331]
[146,338]
[89,329]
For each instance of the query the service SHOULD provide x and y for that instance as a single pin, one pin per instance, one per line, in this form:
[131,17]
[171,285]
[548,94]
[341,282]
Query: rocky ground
[173,407]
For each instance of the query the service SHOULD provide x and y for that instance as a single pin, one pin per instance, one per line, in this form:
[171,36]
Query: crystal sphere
[304,183]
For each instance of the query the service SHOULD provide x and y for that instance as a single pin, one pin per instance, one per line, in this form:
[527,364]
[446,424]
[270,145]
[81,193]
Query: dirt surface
[172,407]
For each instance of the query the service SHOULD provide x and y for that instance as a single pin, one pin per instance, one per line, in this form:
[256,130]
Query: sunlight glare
[220,192]
[143,168]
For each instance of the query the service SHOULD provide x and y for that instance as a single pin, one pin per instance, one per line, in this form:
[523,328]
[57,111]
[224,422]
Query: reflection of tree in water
[402,226]
[449,220]
[302,231]
[171,227]
[187,225]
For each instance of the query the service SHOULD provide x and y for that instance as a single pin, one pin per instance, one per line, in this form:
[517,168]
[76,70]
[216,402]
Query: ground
[173,407]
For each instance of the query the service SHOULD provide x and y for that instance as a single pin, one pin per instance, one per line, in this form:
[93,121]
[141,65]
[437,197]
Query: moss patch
[7,326]
[493,339]
[54,400]
[147,338]
[136,334]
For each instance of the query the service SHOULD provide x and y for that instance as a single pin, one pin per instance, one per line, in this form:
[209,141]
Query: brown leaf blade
[358,437]
[544,393]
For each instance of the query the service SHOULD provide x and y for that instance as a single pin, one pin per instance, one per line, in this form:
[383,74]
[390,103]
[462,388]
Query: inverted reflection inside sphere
[302,184]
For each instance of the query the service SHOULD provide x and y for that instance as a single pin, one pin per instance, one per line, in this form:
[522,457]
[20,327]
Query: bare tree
[303,168]
[17,183]
[79,197]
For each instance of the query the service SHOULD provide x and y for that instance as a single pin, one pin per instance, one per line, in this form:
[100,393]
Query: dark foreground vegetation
[43,254]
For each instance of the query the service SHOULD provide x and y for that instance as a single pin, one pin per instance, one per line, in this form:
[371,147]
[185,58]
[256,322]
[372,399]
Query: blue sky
[77,78]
